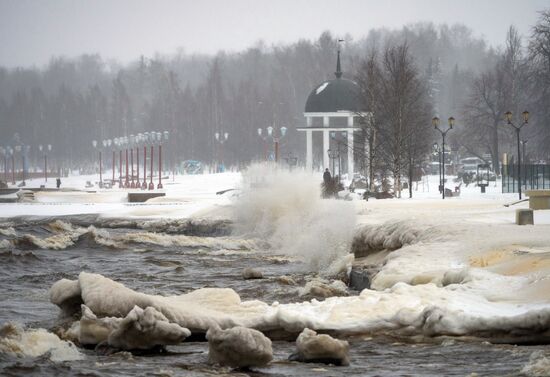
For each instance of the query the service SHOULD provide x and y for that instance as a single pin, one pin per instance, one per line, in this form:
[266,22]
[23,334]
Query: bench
[539,199]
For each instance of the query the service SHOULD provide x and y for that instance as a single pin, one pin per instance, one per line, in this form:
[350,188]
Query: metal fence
[533,177]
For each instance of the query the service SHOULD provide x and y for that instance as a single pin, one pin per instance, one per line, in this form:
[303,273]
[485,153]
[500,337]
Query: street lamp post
[47,148]
[333,155]
[104,145]
[131,141]
[221,138]
[264,138]
[437,150]
[3,153]
[109,144]
[12,153]
[153,136]
[508,117]
[126,141]
[19,150]
[276,139]
[145,140]
[435,123]
[160,140]
[338,141]
[523,142]
[137,141]
[118,144]
[95,145]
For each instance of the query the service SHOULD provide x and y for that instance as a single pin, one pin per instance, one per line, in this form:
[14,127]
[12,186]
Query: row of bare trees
[407,76]
[519,80]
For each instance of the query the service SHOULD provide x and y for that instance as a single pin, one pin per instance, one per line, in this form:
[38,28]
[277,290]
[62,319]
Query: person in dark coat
[327,177]
[58,182]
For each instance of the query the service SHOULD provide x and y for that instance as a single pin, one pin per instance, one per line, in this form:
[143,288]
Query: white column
[309,151]
[350,153]
[309,145]
[350,147]
[326,144]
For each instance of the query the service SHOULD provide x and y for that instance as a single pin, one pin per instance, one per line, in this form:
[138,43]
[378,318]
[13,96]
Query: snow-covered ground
[186,196]
[458,266]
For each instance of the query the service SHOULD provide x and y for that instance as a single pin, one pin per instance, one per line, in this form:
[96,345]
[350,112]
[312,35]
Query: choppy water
[172,258]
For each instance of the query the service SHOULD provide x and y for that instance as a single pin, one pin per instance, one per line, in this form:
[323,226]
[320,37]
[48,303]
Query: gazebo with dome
[333,106]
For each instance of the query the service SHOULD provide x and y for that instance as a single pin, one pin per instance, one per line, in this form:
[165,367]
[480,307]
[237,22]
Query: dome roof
[334,95]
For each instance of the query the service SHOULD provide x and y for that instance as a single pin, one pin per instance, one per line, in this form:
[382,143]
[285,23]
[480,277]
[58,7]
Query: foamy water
[285,209]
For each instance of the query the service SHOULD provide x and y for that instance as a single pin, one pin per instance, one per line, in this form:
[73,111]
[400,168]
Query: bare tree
[401,111]
[539,57]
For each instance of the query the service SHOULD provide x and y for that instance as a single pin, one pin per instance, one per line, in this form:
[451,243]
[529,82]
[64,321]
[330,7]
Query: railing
[533,177]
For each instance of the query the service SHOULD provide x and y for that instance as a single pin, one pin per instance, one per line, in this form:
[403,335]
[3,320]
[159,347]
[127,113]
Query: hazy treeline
[451,72]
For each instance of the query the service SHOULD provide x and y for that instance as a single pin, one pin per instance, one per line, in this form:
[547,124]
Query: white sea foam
[285,208]
[8,232]
[16,341]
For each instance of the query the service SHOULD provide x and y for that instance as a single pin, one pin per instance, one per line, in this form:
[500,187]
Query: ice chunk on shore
[144,329]
[140,329]
[323,348]
[238,347]
[16,341]
[425,309]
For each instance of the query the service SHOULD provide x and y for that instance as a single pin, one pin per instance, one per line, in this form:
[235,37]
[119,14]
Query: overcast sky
[32,31]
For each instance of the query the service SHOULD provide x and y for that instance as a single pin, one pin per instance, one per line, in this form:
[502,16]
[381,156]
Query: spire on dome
[338,72]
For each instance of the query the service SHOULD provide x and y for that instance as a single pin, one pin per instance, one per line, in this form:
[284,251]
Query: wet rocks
[359,280]
[321,288]
[286,280]
[314,348]
[252,273]
[238,347]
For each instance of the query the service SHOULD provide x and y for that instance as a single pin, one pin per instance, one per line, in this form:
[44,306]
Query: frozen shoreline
[457,267]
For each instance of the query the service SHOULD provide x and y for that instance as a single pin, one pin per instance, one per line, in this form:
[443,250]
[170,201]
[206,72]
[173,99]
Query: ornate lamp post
[333,155]
[125,142]
[437,150]
[264,138]
[95,145]
[145,140]
[276,139]
[138,141]
[508,117]
[118,143]
[47,148]
[3,153]
[221,138]
[160,139]
[19,149]
[152,139]
[109,144]
[104,145]
[11,153]
[339,141]
[435,123]
[131,143]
